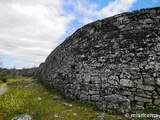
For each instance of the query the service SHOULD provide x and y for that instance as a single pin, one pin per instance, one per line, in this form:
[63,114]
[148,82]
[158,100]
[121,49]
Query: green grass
[2,78]
[19,100]
[1,82]
[149,110]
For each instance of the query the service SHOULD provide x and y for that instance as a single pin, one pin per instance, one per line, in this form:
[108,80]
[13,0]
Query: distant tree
[1,62]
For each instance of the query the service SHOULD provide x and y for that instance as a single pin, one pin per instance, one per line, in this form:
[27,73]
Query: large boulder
[114,103]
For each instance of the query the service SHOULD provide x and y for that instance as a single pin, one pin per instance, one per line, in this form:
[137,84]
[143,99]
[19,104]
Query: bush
[3,78]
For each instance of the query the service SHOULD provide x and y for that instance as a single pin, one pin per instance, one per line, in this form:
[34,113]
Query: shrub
[3,78]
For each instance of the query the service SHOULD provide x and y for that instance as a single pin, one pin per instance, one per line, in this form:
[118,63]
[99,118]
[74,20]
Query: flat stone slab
[22,117]
[115,103]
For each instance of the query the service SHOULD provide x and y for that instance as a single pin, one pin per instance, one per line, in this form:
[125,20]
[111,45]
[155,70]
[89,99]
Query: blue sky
[31,29]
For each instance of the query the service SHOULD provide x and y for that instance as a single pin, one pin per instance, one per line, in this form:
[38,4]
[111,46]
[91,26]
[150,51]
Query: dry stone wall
[113,62]
[27,72]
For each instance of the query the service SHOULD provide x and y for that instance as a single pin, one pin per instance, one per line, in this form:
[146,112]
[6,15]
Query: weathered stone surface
[91,92]
[22,117]
[28,85]
[19,72]
[113,80]
[56,116]
[158,81]
[83,97]
[149,81]
[141,93]
[101,116]
[145,87]
[142,99]
[95,97]
[139,107]
[55,98]
[115,103]
[67,104]
[157,101]
[126,83]
[158,91]
[140,103]
[115,55]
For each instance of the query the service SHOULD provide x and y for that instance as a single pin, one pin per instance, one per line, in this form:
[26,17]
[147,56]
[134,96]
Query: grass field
[27,96]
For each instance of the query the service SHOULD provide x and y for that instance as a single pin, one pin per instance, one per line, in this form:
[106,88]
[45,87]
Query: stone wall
[28,72]
[113,62]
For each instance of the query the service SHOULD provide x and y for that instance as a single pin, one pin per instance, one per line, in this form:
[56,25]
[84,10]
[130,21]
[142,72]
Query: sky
[31,29]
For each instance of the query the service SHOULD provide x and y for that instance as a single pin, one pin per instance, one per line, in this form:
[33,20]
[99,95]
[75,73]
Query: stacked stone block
[113,63]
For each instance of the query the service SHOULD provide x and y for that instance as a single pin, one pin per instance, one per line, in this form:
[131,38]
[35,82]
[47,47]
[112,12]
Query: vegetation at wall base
[3,78]
[26,95]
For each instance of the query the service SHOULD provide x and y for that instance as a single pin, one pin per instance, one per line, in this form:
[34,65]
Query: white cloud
[31,29]
[86,20]
[83,9]
[115,7]
[89,11]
